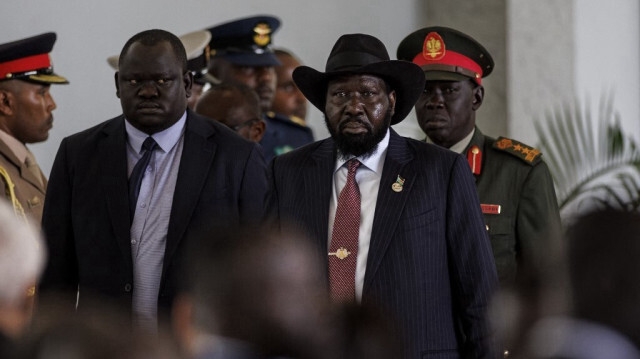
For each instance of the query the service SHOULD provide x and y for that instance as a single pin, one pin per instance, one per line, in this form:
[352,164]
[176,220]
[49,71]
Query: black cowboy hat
[363,54]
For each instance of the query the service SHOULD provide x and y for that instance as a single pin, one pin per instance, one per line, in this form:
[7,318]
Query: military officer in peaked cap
[241,52]
[26,73]
[196,44]
[514,184]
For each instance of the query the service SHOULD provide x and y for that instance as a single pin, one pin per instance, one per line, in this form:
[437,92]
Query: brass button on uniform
[33,202]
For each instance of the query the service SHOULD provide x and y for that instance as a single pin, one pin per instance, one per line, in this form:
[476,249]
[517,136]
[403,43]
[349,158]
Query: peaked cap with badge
[363,54]
[29,60]
[515,186]
[246,41]
[22,182]
[446,54]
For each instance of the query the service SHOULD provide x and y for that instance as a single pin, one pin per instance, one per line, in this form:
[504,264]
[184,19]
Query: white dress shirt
[368,178]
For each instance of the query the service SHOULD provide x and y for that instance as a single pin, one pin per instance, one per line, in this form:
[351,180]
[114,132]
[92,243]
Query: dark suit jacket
[221,182]
[430,264]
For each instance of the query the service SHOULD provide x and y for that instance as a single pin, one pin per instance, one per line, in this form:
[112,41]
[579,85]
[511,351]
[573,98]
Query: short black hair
[249,96]
[153,37]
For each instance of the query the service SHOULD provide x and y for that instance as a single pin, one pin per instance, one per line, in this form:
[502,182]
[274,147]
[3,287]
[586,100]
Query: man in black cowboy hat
[397,221]
[26,107]
[514,184]
[241,52]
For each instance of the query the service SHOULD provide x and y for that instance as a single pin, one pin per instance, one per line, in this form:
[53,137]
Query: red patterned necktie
[344,239]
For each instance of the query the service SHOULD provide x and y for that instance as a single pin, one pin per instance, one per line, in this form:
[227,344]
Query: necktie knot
[352,166]
[135,180]
[149,144]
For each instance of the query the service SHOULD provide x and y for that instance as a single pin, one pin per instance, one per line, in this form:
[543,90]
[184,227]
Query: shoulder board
[528,154]
[290,119]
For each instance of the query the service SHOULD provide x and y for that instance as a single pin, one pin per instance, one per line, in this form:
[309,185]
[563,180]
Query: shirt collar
[18,148]
[460,146]
[166,139]
[374,162]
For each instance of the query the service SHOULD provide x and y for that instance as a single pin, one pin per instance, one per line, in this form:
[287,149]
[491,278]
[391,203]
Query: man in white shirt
[396,221]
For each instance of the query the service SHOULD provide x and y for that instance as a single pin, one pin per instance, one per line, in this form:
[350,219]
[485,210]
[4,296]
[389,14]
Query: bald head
[236,106]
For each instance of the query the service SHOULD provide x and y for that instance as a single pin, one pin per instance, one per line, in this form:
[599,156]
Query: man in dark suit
[408,234]
[128,195]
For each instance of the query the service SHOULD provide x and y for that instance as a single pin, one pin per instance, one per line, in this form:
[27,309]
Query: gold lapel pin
[398,185]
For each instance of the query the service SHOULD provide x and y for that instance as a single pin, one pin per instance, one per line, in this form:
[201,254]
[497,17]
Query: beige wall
[485,21]
[546,51]
[90,31]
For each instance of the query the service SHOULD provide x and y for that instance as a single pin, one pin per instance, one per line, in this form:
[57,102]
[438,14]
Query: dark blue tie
[135,180]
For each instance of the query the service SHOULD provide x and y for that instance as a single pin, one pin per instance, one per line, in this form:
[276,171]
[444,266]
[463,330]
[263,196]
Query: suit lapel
[197,156]
[390,204]
[318,177]
[112,153]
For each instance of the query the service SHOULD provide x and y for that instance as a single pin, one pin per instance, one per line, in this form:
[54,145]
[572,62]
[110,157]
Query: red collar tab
[474,157]
[30,63]
[434,52]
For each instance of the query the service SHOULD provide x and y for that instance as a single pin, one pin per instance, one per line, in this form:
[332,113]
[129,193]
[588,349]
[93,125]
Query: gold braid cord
[9,187]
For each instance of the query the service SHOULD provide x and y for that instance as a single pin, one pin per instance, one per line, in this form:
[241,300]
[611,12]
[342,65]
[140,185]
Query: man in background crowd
[26,107]
[289,101]
[241,52]
[236,106]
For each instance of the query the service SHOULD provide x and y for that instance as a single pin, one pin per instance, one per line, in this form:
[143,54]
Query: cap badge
[433,48]
[262,34]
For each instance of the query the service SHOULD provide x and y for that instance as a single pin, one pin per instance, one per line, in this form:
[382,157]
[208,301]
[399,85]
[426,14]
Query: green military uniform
[518,201]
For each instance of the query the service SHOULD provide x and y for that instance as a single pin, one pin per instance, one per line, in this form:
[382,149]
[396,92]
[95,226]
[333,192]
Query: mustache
[344,122]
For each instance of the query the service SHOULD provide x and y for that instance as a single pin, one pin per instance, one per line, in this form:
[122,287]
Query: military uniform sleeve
[473,271]
[538,220]
[61,273]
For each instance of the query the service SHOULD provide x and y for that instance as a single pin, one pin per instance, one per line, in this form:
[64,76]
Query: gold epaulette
[528,154]
[295,119]
[9,191]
